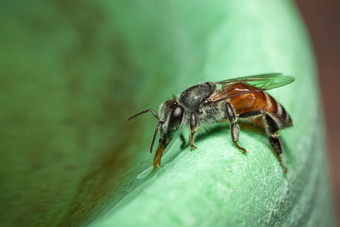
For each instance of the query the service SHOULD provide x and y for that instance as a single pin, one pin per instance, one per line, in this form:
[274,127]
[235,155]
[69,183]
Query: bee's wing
[260,82]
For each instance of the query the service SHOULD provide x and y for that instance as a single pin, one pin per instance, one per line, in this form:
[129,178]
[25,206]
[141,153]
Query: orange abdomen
[258,101]
[251,102]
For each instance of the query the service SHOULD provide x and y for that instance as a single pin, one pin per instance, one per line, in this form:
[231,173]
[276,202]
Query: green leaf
[74,70]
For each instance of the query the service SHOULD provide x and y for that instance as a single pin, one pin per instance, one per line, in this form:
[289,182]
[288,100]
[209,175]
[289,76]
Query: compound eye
[176,117]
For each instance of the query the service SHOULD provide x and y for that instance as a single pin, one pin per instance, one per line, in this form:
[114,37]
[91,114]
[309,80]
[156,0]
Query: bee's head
[172,114]
[170,119]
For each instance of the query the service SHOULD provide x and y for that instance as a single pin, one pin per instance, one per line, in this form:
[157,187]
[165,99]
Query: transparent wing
[258,83]
[262,81]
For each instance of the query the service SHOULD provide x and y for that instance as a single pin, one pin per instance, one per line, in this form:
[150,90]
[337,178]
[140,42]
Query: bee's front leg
[193,125]
[183,140]
[234,126]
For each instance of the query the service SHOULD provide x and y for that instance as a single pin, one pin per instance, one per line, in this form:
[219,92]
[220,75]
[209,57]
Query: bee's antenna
[157,126]
[142,112]
[155,134]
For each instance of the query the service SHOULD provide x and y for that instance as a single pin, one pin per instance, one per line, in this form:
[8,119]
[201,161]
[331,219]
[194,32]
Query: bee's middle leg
[234,126]
[193,125]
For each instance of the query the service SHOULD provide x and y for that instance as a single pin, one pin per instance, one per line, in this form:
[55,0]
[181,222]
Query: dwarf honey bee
[233,99]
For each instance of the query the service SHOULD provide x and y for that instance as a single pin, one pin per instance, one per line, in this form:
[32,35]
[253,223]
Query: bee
[242,98]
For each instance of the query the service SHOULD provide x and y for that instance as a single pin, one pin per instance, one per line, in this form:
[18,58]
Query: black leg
[273,138]
[183,140]
[234,126]
[272,129]
[193,128]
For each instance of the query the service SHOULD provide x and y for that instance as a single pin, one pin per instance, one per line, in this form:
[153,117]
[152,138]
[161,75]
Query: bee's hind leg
[234,126]
[274,138]
[272,129]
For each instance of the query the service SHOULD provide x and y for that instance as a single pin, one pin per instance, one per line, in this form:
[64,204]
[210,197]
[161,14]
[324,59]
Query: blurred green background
[72,71]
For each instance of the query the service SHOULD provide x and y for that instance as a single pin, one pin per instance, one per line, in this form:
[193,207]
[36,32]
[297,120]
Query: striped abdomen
[277,111]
